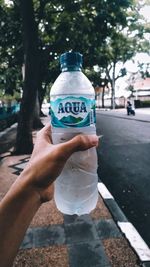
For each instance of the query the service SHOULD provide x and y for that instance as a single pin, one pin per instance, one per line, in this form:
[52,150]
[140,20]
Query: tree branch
[41,10]
[119,76]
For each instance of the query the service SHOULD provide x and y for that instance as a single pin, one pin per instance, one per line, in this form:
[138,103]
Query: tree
[125,40]
[97,20]
[99,82]
[120,49]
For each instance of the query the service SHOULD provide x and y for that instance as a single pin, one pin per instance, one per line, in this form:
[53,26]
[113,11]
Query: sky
[132,65]
[145,11]
[140,57]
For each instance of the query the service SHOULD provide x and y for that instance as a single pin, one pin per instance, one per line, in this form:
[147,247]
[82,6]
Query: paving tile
[100,211]
[46,236]
[55,256]
[18,167]
[47,214]
[81,231]
[70,218]
[28,240]
[75,218]
[120,253]
[107,229]
[89,254]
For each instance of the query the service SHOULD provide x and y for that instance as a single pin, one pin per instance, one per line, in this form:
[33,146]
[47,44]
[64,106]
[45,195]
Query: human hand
[48,160]
[33,187]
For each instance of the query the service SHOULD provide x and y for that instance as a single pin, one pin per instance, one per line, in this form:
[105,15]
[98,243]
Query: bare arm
[33,187]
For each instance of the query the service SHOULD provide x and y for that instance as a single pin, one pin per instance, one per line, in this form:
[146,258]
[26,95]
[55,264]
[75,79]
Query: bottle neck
[70,68]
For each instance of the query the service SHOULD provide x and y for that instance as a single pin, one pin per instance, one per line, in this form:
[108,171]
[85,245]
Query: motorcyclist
[130,109]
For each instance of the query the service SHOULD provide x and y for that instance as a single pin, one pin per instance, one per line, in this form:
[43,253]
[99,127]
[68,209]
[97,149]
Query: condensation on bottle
[72,100]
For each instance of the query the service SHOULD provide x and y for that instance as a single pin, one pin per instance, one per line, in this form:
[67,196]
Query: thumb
[79,143]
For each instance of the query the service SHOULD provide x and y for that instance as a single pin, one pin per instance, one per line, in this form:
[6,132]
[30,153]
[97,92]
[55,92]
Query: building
[141,89]
[138,91]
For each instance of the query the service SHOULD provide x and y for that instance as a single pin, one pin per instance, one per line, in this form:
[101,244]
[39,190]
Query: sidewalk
[141,114]
[57,240]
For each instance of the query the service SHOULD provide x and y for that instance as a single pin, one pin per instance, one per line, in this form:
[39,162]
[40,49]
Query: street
[124,165]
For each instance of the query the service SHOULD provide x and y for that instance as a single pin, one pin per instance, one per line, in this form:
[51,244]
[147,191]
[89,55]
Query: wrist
[35,186]
[25,185]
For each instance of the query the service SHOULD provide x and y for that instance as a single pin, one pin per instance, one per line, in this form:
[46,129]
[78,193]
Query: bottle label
[72,111]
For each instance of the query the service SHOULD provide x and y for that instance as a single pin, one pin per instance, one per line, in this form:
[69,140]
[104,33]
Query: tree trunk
[41,98]
[113,88]
[41,94]
[24,143]
[112,95]
[103,93]
[44,66]
[37,124]
[112,82]
[41,102]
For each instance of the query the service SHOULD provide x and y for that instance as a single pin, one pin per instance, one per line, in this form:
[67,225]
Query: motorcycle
[130,110]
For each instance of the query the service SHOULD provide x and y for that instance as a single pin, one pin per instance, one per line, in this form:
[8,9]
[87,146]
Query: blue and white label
[72,111]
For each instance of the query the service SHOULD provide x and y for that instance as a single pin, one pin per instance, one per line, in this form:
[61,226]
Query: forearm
[16,212]
[35,185]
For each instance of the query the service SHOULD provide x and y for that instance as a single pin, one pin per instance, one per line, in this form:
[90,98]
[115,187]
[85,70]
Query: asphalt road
[124,166]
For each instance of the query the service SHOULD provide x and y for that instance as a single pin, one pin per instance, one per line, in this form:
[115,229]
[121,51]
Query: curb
[7,130]
[128,230]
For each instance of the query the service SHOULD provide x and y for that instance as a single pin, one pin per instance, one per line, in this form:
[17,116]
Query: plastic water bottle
[73,112]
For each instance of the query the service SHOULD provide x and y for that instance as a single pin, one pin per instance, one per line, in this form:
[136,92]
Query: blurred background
[113,36]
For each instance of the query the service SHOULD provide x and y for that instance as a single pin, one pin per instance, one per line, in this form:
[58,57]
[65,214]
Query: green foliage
[144,69]
[11,50]
[145,104]
[104,31]
[7,97]
[96,77]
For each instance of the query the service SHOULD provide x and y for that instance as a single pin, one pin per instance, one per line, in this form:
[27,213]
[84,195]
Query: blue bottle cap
[71,61]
